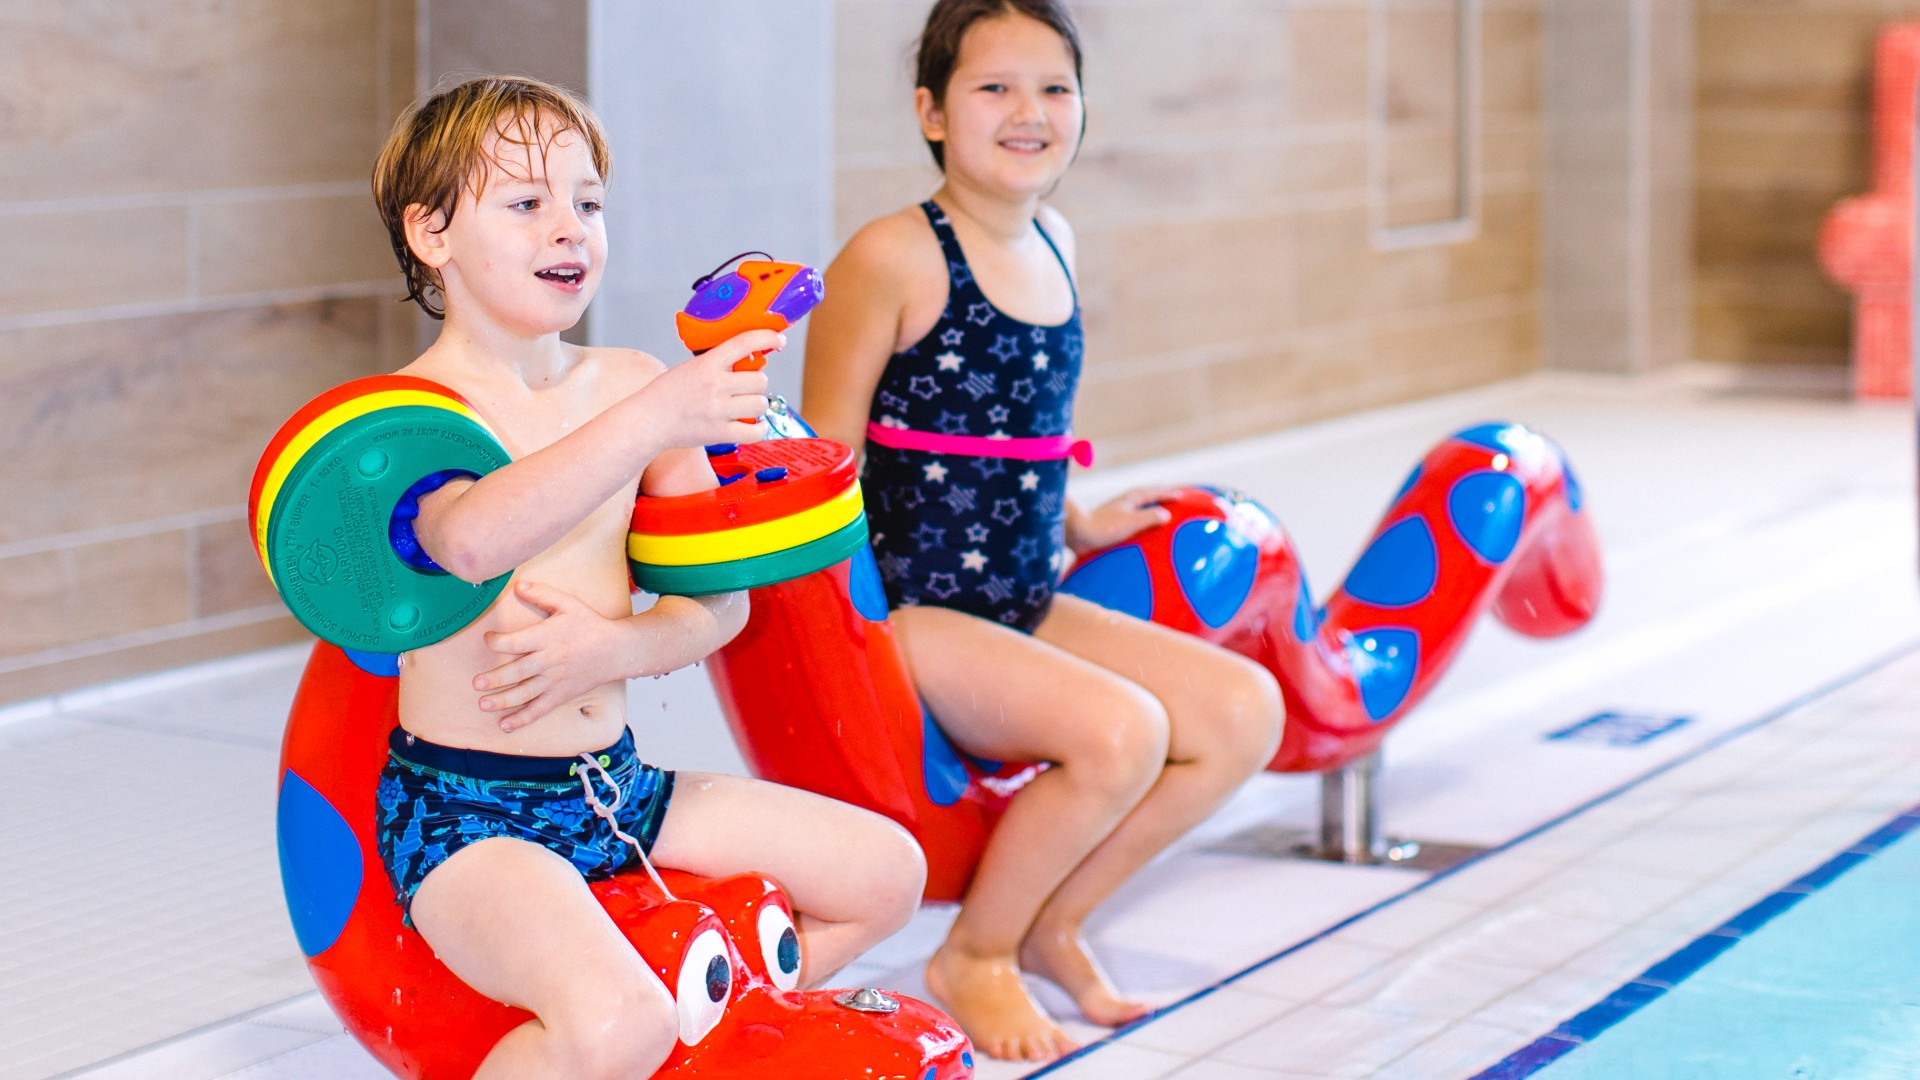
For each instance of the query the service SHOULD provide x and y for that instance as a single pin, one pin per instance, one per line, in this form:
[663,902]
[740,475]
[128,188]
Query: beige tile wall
[1227,160]
[1783,119]
[191,253]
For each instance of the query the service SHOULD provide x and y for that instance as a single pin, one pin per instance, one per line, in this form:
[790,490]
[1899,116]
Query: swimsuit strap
[960,275]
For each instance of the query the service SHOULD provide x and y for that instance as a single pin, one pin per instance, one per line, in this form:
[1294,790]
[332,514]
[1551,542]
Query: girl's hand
[702,400]
[571,650]
[1117,519]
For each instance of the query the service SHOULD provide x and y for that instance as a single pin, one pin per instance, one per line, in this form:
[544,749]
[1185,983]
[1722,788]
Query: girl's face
[1010,122]
[529,247]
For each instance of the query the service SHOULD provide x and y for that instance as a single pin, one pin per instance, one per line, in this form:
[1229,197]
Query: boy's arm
[573,648]
[477,530]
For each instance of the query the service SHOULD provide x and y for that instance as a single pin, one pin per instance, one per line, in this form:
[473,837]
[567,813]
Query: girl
[950,346]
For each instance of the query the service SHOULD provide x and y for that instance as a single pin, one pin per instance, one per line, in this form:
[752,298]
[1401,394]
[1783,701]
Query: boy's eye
[590,206]
[525,204]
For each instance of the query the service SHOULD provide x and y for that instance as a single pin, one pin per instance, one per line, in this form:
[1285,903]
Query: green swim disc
[327,538]
[795,562]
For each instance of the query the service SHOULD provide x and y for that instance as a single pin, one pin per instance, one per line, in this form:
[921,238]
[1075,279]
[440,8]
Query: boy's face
[527,248]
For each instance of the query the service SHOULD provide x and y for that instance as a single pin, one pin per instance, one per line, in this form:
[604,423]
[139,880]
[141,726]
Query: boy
[492,193]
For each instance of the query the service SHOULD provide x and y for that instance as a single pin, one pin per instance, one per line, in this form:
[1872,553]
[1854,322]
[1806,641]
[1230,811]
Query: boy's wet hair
[947,25]
[439,147]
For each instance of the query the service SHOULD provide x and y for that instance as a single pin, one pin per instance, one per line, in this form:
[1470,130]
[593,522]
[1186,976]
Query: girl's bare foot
[986,997]
[1061,957]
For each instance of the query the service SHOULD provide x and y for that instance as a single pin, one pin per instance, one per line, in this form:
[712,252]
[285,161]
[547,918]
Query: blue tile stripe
[1691,957]
[1539,1046]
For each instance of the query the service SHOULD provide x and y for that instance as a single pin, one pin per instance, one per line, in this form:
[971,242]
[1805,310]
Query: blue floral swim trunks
[434,800]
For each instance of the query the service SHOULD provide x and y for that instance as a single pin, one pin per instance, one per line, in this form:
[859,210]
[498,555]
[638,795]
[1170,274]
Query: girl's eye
[994,88]
[1058,89]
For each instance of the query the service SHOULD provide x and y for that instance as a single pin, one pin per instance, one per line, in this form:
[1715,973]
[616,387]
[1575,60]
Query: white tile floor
[1760,544]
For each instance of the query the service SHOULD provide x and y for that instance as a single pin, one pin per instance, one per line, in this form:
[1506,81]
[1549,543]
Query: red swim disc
[817,470]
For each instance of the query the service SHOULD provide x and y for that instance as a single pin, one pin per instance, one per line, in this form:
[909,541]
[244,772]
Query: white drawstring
[606,814]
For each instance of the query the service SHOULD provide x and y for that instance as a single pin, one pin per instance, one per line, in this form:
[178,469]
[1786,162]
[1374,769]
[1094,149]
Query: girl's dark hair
[948,23]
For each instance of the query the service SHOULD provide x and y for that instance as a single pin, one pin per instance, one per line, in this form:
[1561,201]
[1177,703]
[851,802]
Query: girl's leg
[518,923]
[853,876]
[1002,694]
[1224,714]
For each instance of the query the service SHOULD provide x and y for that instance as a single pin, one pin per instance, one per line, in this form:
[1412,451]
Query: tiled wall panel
[1229,274]
[183,193]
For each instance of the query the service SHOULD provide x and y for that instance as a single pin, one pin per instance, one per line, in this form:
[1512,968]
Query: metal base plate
[1280,842]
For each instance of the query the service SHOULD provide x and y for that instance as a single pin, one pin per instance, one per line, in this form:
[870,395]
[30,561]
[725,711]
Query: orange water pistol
[759,294]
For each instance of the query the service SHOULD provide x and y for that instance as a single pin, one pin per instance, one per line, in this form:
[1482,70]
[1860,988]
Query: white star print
[937,473]
[949,361]
[1029,481]
[1040,360]
[973,560]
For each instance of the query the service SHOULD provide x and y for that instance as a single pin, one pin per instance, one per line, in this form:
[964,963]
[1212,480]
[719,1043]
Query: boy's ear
[426,235]
[933,119]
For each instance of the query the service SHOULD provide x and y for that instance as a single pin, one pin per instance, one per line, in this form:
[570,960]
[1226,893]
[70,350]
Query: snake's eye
[780,946]
[705,983]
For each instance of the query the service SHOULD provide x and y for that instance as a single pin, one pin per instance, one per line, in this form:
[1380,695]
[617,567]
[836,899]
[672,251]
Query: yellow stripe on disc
[748,541]
[326,422]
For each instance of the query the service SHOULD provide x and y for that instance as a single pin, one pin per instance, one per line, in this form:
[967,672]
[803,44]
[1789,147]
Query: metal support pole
[1350,830]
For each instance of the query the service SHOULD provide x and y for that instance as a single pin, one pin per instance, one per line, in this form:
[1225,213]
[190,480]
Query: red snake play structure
[818,694]
[724,947]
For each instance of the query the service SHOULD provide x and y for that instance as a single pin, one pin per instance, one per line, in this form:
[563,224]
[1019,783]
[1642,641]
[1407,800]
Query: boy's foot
[1062,958]
[987,999]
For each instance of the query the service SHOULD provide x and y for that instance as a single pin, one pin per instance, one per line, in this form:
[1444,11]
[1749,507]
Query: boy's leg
[1001,694]
[853,876]
[518,923]
[1224,713]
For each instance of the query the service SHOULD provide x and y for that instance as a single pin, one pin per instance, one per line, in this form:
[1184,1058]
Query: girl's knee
[1127,746]
[1249,711]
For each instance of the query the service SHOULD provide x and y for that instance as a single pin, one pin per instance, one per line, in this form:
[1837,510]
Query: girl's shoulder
[900,245]
[1061,233]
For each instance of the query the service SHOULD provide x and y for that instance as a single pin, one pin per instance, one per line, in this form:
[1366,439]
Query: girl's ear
[426,235]
[933,119]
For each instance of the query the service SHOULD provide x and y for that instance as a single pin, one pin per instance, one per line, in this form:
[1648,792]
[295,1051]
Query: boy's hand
[702,400]
[571,650]
[1118,518]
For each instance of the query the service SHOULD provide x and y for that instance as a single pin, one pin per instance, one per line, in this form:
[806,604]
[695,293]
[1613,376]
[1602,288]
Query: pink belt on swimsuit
[1043,448]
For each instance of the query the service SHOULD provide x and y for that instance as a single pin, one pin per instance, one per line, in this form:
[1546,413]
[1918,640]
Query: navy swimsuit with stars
[982,534]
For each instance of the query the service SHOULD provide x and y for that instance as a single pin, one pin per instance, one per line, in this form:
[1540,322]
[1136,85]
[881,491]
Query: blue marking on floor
[1619,729]
[1822,984]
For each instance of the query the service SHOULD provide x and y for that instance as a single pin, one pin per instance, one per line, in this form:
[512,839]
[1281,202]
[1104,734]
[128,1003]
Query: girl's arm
[476,530]
[857,328]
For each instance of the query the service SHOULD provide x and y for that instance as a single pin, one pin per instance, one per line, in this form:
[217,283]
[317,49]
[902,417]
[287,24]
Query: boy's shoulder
[622,370]
[602,376]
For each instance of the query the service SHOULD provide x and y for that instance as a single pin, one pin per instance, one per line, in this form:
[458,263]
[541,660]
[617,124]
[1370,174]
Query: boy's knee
[616,1034]
[900,875]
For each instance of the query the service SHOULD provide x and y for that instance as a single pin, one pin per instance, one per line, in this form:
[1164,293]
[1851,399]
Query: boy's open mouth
[565,276]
